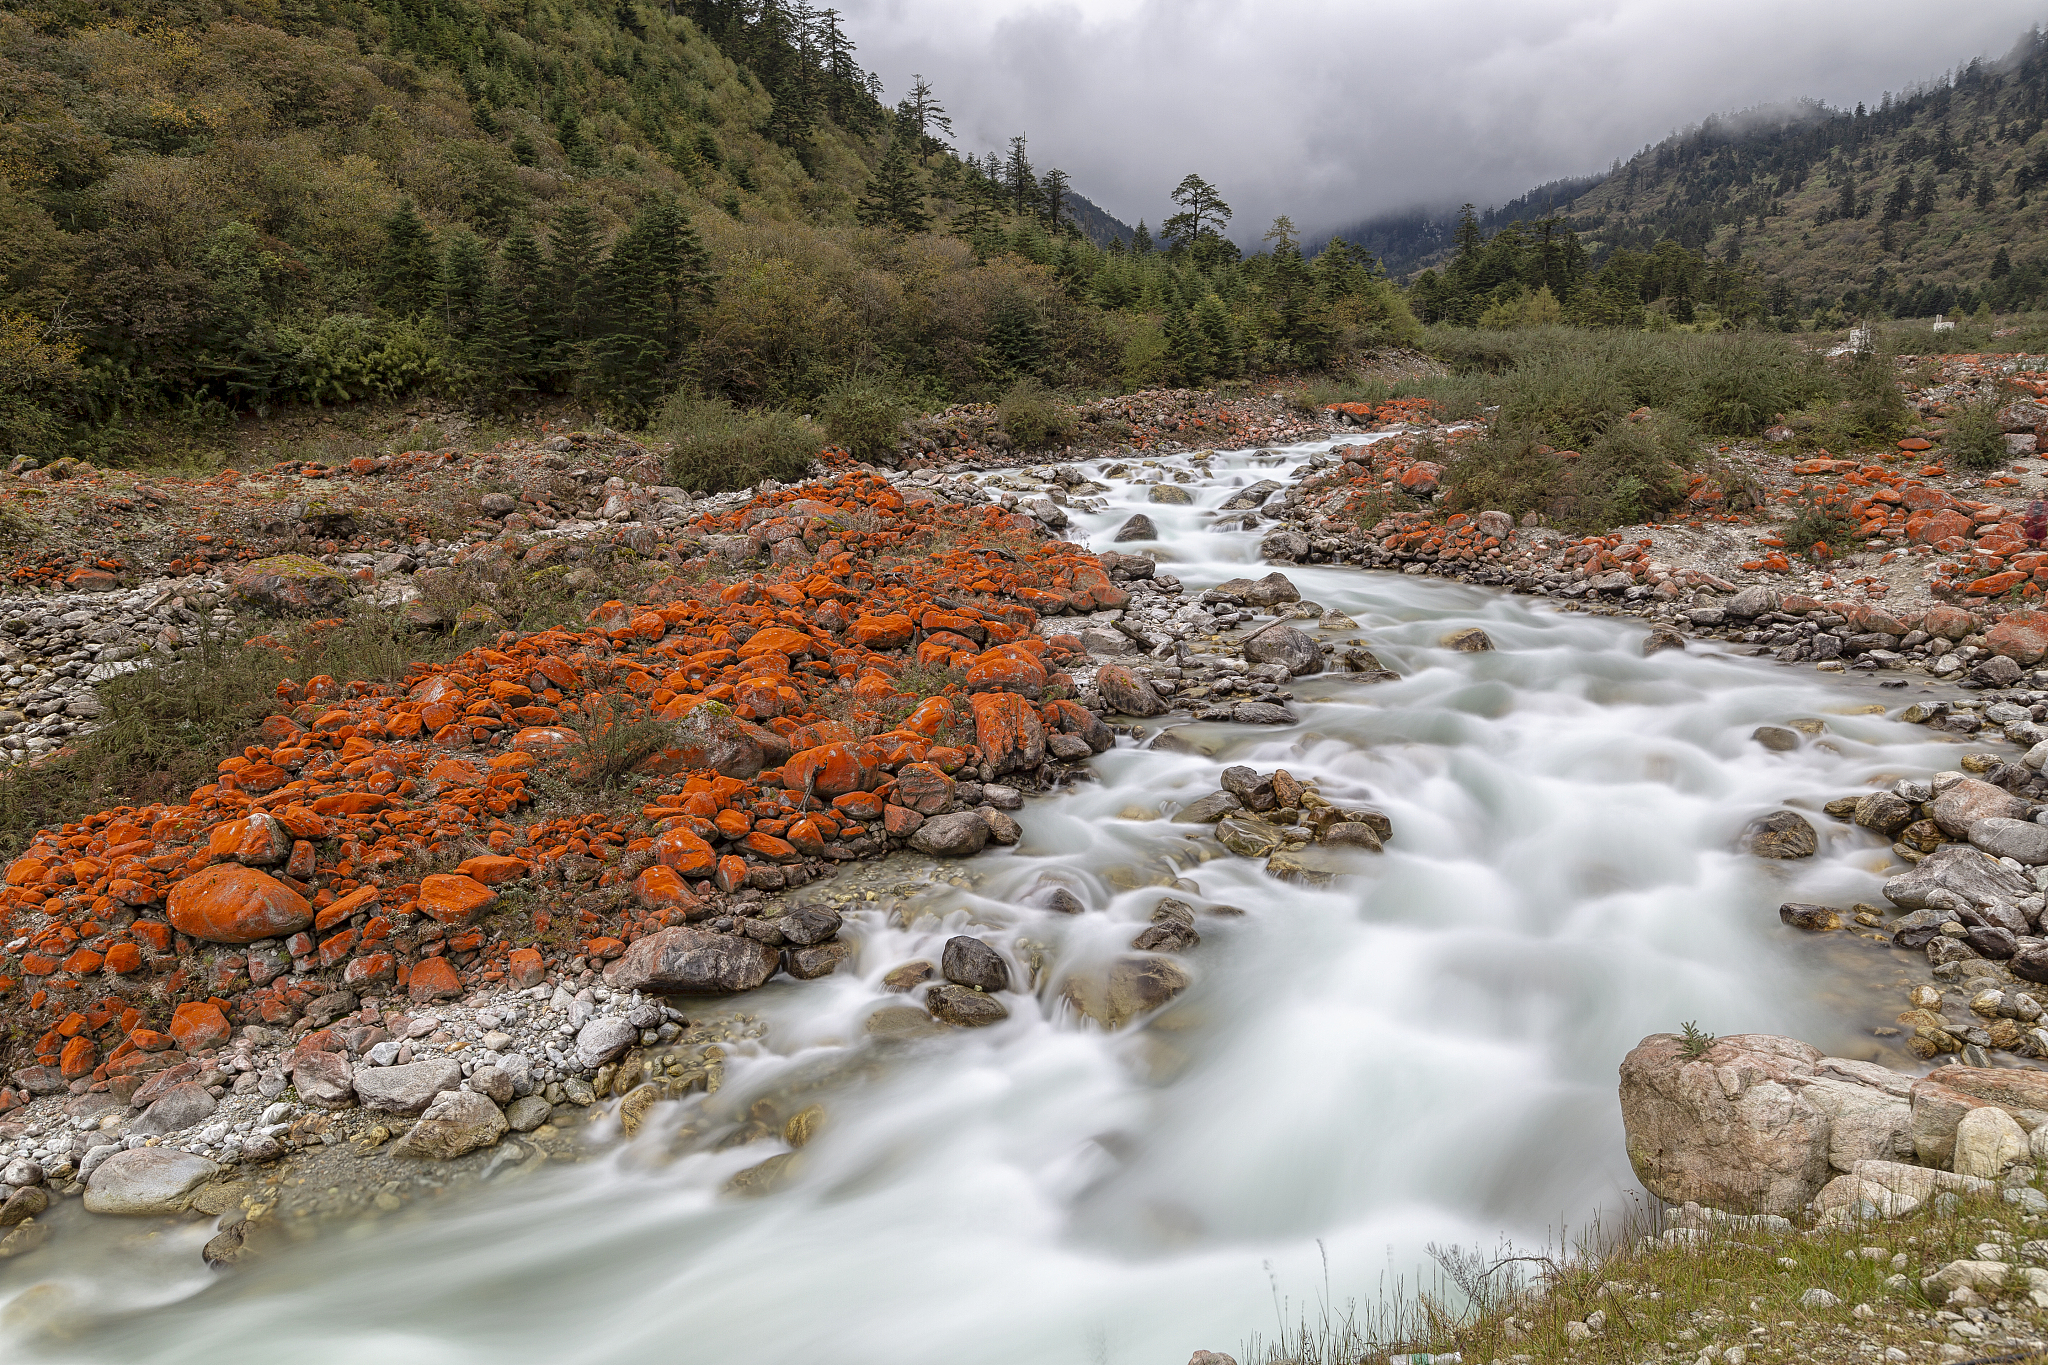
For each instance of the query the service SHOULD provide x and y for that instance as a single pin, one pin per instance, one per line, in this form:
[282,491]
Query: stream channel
[1423,1051]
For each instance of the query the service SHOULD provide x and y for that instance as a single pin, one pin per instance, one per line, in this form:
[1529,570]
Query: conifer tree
[1212,320]
[656,281]
[1202,212]
[1141,240]
[575,292]
[1017,176]
[465,279]
[410,266]
[1015,342]
[927,118]
[1052,193]
[894,199]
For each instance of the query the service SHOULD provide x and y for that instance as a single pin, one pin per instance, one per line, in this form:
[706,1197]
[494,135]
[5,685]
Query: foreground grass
[1742,1296]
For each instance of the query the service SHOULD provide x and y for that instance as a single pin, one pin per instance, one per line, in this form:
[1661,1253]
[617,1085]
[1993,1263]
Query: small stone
[1776,738]
[1471,640]
[527,1113]
[147,1180]
[965,1008]
[458,1121]
[1782,834]
[908,977]
[1819,1298]
[1813,918]
[970,962]
[603,1039]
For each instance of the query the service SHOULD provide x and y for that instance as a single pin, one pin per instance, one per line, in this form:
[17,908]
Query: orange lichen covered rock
[452,898]
[234,904]
[199,1026]
[493,869]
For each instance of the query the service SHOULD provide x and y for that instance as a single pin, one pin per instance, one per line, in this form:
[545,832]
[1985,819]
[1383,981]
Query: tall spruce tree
[1017,176]
[894,198]
[657,282]
[465,279]
[409,268]
[1053,189]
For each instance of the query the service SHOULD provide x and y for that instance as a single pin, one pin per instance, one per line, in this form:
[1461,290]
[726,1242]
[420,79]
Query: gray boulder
[1284,545]
[1968,875]
[1751,602]
[806,925]
[1208,810]
[184,1106]
[1139,527]
[970,962]
[458,1121]
[407,1089]
[1966,802]
[963,1007]
[147,1180]
[691,961]
[1169,493]
[961,834]
[323,1080]
[1781,834]
[1284,645]
[2023,841]
[603,1039]
[1128,693]
[1884,812]
[1261,713]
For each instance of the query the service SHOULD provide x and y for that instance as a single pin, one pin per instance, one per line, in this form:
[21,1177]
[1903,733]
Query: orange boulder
[493,869]
[229,903]
[199,1026]
[685,853]
[433,978]
[1008,731]
[451,897]
[2021,636]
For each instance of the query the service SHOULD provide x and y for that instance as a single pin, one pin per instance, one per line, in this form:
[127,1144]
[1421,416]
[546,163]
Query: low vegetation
[1628,1294]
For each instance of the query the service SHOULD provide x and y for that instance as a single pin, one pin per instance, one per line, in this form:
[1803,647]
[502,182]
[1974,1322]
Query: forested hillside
[209,206]
[1925,203]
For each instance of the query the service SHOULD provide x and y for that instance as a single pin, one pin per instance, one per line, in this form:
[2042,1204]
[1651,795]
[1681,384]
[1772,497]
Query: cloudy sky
[1332,111]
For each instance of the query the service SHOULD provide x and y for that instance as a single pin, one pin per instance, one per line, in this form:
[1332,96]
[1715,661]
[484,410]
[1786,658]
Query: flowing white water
[1424,1051]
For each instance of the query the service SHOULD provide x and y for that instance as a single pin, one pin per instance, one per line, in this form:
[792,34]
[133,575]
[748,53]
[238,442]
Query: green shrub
[720,447]
[1506,470]
[1820,518]
[866,421]
[1873,410]
[1572,399]
[1975,439]
[1626,474]
[1033,417]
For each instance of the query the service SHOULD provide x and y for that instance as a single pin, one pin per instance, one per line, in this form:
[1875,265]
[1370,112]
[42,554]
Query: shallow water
[1425,1051]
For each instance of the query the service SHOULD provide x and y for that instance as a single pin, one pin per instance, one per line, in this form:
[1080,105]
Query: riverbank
[1189,650]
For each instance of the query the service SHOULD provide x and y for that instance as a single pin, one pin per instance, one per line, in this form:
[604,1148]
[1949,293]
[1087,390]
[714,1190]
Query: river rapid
[1424,1051]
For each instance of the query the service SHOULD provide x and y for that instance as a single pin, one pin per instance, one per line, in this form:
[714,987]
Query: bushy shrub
[720,447]
[1506,470]
[1873,411]
[1975,439]
[1572,399]
[1820,517]
[866,420]
[1033,417]
[1626,474]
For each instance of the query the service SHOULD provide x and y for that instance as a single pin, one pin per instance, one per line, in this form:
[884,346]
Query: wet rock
[527,1113]
[1813,918]
[1956,875]
[1782,834]
[1284,545]
[968,961]
[603,1039]
[1285,645]
[1963,803]
[1997,671]
[1132,986]
[1776,738]
[1354,834]
[1270,591]
[909,976]
[1261,713]
[25,1203]
[1139,527]
[960,834]
[406,1089]
[808,924]
[963,1007]
[1992,941]
[1661,639]
[1247,838]
[2023,841]
[1001,828]
[691,961]
[1885,813]
[1169,493]
[458,1121]
[1471,640]
[1126,693]
[147,1180]
[820,959]
[1208,810]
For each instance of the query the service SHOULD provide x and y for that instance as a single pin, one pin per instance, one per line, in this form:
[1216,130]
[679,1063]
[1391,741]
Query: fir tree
[1015,343]
[1202,212]
[465,279]
[1017,176]
[1212,320]
[927,118]
[1052,193]
[894,199]
[575,291]
[1141,240]
[410,266]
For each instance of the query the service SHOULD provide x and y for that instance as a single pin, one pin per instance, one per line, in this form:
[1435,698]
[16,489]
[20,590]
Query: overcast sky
[1333,111]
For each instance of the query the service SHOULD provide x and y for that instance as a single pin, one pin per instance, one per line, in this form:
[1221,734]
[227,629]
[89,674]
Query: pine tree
[1212,320]
[1468,237]
[410,266]
[894,199]
[1015,344]
[1923,200]
[1202,212]
[1845,204]
[1141,240]
[1052,193]
[978,208]
[575,291]
[657,282]
[465,279]
[927,118]
[1017,176]
[1189,361]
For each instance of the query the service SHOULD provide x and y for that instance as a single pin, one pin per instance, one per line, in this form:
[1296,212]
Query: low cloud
[1332,111]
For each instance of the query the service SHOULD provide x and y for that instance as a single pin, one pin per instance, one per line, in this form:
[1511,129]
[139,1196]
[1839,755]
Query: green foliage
[720,447]
[1975,438]
[613,738]
[1696,1041]
[1820,517]
[1034,418]
[1625,474]
[866,420]
[1873,410]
